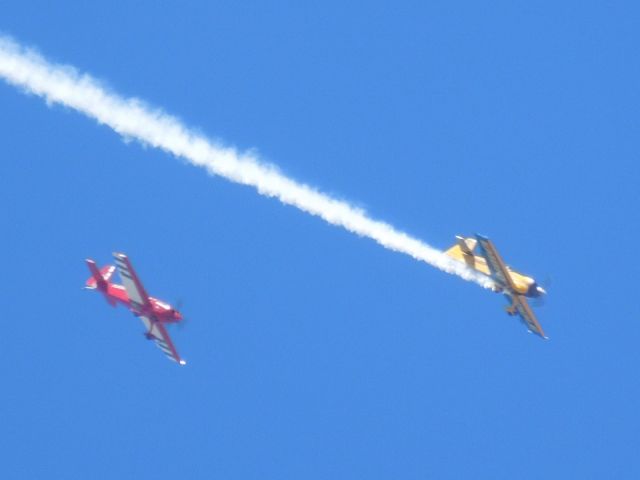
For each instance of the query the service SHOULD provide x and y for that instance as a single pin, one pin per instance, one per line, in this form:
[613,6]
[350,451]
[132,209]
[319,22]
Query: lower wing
[157,332]
[526,314]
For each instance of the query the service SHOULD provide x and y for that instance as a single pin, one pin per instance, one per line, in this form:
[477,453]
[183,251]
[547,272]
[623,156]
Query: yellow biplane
[515,286]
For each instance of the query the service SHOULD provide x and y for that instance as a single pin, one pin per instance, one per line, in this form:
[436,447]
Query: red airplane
[153,312]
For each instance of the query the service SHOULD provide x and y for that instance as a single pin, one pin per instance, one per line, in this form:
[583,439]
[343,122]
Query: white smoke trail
[131,118]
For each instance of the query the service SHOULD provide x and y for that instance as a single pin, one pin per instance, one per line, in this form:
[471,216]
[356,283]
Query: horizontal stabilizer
[99,278]
[467,245]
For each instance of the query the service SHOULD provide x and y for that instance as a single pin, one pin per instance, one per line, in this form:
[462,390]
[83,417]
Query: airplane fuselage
[161,310]
[524,285]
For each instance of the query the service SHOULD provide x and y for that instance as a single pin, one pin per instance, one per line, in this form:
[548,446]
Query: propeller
[542,299]
[178,306]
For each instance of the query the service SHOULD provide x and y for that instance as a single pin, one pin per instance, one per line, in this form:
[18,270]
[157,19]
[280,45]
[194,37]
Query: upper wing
[497,266]
[157,332]
[132,284]
[526,314]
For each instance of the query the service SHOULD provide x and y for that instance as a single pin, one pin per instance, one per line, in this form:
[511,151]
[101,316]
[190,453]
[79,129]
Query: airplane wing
[526,314]
[132,284]
[157,332]
[497,266]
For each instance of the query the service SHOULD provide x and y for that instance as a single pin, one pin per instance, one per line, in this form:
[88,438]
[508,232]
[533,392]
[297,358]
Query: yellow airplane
[515,286]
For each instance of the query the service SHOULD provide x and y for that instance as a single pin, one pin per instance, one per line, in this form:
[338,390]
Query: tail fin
[467,245]
[463,246]
[463,250]
[99,278]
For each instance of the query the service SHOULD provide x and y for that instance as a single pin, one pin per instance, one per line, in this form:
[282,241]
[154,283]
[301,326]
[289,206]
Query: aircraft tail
[463,250]
[463,246]
[99,279]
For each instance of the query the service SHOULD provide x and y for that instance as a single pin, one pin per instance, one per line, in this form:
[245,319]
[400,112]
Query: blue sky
[314,353]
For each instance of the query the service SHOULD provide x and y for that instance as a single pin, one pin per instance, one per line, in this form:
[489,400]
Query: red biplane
[154,313]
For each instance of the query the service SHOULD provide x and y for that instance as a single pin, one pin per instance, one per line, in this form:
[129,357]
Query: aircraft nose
[541,291]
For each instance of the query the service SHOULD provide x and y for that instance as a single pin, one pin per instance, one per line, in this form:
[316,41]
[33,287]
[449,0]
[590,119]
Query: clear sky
[313,353]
